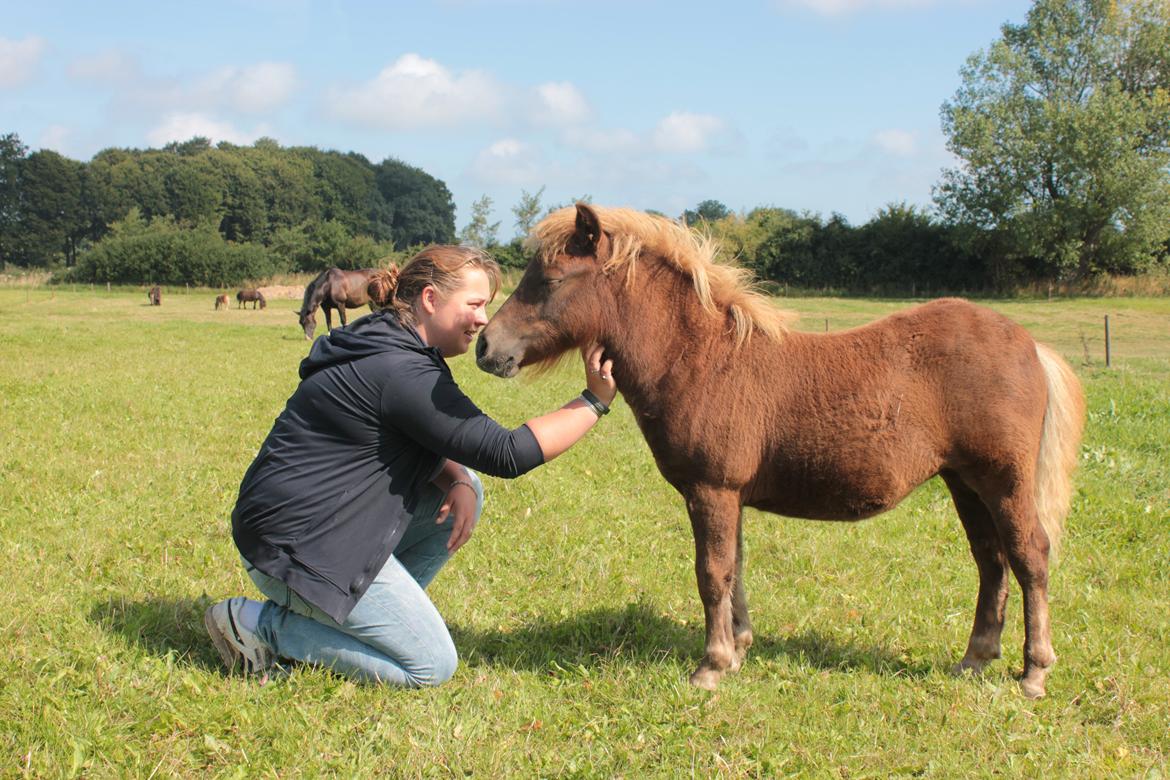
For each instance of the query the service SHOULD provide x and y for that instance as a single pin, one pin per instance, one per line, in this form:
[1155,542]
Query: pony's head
[308,321]
[587,259]
[561,301]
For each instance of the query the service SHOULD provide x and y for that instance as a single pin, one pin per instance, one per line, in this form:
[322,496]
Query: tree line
[215,215]
[1061,129]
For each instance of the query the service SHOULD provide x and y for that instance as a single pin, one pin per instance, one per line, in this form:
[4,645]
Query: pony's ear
[588,227]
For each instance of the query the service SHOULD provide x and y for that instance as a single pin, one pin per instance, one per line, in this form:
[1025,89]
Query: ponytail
[383,286]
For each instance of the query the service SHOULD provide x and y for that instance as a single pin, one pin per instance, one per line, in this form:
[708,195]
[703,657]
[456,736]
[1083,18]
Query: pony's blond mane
[721,287]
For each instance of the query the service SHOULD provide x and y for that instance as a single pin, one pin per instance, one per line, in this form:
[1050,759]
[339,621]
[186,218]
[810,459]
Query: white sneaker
[235,643]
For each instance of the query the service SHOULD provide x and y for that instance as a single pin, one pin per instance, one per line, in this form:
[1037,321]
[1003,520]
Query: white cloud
[603,141]
[184,126]
[560,103]
[55,137]
[843,7]
[254,89]
[416,92]
[509,161]
[19,59]
[686,132]
[899,143]
[109,67]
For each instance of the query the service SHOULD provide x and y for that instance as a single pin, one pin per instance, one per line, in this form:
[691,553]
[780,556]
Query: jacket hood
[373,334]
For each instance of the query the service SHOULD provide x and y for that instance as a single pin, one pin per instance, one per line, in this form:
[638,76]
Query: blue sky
[818,105]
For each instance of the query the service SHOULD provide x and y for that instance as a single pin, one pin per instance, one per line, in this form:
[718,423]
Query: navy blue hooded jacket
[331,490]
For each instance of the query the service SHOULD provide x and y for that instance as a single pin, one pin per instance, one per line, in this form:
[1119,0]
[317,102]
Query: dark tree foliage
[421,208]
[303,207]
[706,211]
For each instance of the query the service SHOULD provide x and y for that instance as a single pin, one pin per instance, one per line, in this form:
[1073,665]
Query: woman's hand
[460,501]
[599,373]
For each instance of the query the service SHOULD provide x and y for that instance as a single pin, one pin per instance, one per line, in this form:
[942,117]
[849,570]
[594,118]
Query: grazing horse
[334,289]
[154,295]
[253,295]
[221,301]
[738,410]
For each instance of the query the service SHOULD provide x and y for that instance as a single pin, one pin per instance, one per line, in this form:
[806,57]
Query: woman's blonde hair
[441,267]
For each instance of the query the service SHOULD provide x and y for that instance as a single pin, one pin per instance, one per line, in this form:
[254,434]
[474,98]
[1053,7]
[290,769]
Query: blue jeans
[394,635]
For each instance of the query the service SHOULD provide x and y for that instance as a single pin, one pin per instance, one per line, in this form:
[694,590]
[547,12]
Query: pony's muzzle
[500,365]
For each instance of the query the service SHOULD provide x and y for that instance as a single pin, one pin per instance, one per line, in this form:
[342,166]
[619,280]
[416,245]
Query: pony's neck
[660,331]
[314,294]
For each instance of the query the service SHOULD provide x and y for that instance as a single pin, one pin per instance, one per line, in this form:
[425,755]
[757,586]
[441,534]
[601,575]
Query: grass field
[126,429]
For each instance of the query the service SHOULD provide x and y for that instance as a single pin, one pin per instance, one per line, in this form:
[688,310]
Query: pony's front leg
[741,624]
[715,522]
[341,314]
[328,318]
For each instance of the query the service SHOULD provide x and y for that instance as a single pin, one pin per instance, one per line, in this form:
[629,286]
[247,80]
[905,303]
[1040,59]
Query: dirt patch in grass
[277,292]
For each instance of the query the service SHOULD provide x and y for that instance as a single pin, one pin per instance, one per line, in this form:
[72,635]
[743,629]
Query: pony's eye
[552,281]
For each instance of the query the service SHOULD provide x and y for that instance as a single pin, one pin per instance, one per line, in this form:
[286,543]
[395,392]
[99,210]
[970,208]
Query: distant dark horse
[739,410]
[334,289]
[154,295]
[253,295]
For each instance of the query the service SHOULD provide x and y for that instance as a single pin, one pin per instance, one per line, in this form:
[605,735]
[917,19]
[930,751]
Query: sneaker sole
[228,654]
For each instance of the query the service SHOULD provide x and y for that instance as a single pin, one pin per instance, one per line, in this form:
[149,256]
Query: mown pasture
[126,429]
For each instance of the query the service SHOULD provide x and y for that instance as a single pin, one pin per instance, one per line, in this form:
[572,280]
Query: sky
[824,106]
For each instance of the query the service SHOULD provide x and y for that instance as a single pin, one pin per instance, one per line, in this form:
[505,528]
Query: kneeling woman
[367,483]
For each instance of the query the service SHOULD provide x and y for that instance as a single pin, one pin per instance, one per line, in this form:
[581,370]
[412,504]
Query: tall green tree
[479,232]
[12,156]
[420,206]
[53,218]
[1063,129]
[527,211]
[706,211]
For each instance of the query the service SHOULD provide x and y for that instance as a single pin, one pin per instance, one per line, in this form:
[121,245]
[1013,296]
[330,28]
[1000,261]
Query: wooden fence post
[1107,345]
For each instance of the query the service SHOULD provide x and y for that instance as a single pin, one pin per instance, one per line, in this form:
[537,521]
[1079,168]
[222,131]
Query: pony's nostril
[480,346]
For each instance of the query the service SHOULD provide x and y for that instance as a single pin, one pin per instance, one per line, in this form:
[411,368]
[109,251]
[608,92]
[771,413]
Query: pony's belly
[830,499]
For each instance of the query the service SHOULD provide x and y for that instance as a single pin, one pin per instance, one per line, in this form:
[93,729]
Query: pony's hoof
[1032,688]
[968,666]
[742,643]
[706,678]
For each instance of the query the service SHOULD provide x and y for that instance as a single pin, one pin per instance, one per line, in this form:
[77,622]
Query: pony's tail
[1064,420]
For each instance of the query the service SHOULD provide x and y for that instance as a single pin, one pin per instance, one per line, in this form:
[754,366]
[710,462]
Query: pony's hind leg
[714,520]
[741,624]
[984,643]
[1025,545]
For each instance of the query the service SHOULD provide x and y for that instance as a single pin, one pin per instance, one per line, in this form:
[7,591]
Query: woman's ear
[428,299]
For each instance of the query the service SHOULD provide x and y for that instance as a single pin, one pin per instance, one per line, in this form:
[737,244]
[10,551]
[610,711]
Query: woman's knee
[440,668]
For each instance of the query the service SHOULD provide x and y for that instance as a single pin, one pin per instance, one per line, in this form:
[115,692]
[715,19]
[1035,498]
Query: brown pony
[154,295]
[221,302]
[740,411]
[250,295]
[334,289]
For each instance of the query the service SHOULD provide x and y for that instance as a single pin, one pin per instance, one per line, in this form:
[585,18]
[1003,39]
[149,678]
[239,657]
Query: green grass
[125,432]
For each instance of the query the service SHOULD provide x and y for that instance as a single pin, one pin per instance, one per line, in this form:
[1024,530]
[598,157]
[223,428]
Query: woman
[364,487]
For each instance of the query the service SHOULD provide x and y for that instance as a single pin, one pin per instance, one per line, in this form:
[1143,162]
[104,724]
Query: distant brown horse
[154,295]
[250,295]
[334,289]
[221,301]
[739,410]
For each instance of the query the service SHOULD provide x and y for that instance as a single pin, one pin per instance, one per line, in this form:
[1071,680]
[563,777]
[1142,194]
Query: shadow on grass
[161,627]
[638,635]
[635,634]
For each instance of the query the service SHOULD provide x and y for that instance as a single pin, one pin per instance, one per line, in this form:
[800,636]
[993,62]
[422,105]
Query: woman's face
[450,323]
